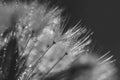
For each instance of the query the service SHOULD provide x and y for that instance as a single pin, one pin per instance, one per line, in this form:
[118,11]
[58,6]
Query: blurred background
[102,17]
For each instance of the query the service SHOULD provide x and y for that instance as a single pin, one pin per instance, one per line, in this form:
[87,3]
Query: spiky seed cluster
[47,50]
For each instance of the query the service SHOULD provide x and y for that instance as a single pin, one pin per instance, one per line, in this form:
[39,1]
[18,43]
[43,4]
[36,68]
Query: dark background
[102,17]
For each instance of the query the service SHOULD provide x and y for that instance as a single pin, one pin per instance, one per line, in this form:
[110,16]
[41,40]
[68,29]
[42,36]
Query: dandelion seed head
[47,50]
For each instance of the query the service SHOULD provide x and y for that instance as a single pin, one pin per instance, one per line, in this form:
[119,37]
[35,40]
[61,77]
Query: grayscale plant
[35,46]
